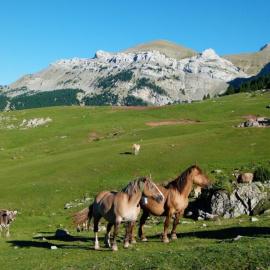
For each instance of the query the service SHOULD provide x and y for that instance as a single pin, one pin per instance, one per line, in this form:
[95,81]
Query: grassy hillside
[250,63]
[170,49]
[87,149]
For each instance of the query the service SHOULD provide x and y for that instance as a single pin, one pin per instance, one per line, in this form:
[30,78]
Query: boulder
[242,201]
[246,199]
[61,233]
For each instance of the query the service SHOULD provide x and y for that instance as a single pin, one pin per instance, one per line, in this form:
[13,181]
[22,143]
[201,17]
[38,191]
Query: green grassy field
[87,149]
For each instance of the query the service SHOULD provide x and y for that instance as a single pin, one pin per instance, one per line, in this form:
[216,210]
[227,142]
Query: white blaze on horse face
[159,191]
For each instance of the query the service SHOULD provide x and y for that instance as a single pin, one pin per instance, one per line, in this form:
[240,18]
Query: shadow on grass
[225,234]
[88,243]
[230,233]
[126,153]
[78,242]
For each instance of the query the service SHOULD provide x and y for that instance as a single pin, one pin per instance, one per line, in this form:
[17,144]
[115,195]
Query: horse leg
[96,220]
[127,236]
[175,222]
[144,217]
[132,236]
[165,238]
[7,228]
[107,235]
[115,233]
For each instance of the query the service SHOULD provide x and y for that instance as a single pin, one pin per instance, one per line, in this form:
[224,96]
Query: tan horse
[117,207]
[175,201]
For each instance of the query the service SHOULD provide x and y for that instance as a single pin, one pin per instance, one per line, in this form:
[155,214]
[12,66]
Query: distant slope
[170,49]
[251,63]
[156,73]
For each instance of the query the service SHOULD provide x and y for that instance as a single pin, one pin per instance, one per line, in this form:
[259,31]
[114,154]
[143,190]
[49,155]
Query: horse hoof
[97,247]
[144,239]
[174,236]
[166,240]
[133,241]
[127,246]
[114,248]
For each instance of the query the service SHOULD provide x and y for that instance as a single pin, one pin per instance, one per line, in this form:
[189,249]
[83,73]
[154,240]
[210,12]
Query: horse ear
[196,164]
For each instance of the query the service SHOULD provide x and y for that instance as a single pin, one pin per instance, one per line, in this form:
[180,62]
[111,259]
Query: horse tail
[83,216]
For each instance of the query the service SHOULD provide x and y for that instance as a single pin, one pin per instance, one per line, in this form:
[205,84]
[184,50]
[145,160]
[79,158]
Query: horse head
[200,178]
[149,189]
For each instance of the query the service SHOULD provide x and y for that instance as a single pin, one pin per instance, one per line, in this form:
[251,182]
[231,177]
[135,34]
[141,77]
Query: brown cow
[244,177]
[5,219]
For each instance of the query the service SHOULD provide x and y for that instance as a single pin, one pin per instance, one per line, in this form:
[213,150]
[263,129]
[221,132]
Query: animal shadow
[126,153]
[47,242]
[229,233]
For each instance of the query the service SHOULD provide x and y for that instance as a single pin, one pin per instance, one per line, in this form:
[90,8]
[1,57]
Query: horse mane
[131,188]
[181,181]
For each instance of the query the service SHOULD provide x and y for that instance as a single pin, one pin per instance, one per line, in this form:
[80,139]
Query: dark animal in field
[6,217]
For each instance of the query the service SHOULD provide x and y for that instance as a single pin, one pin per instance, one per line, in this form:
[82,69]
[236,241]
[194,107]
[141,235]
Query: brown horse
[175,201]
[117,207]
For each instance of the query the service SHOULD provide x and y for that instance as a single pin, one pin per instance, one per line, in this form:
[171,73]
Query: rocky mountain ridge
[169,80]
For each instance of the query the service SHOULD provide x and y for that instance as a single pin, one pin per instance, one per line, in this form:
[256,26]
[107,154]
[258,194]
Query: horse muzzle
[159,198]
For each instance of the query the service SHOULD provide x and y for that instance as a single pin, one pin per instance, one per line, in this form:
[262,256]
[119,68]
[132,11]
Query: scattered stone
[217,171]
[186,222]
[206,216]
[238,237]
[102,228]
[53,247]
[253,219]
[258,122]
[61,233]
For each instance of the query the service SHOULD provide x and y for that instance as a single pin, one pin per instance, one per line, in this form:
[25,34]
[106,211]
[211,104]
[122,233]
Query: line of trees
[110,81]
[259,83]
[66,97]
[106,98]
[61,97]
[145,82]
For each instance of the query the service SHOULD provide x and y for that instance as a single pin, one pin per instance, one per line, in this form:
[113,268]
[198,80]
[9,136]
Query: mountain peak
[265,47]
[168,48]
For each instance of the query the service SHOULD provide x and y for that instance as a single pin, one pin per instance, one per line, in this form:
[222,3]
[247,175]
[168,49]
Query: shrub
[261,174]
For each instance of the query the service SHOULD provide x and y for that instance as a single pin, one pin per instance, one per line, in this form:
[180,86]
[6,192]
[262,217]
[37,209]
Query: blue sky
[35,33]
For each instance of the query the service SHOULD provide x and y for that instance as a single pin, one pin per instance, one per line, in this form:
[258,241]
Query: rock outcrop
[181,80]
[242,201]
[258,122]
[245,199]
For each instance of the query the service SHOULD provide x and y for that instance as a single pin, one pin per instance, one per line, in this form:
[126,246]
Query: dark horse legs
[168,219]
[144,217]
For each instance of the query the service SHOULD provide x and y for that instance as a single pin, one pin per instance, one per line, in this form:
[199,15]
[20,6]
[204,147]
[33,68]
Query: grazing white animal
[137,148]
[5,219]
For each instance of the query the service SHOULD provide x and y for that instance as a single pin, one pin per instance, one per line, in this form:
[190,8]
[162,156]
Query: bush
[261,174]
